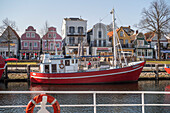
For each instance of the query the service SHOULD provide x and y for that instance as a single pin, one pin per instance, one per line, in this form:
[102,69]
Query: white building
[73,33]
[163,47]
[99,40]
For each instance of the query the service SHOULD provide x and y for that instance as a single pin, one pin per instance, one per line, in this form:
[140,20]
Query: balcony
[76,34]
[144,46]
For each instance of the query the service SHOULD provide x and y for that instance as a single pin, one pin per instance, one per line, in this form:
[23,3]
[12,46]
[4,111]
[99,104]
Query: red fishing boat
[59,69]
[65,71]
[2,66]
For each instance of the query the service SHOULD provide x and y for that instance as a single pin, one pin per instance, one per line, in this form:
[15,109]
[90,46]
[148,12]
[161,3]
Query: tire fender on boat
[37,99]
[61,66]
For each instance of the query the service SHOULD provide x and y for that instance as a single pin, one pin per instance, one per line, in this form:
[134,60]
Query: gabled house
[52,41]
[125,37]
[30,44]
[142,47]
[152,37]
[9,36]
[99,40]
[75,36]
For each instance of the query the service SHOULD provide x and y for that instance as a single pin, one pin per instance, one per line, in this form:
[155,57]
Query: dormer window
[54,35]
[140,43]
[49,35]
[27,34]
[33,35]
[121,33]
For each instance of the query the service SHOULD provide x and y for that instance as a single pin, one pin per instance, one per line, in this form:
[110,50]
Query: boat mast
[114,39]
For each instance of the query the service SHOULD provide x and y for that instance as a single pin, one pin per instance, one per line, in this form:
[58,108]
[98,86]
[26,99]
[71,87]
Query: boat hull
[167,70]
[126,74]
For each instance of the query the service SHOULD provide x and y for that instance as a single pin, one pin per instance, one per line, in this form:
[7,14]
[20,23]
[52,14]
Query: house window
[25,44]
[54,35]
[79,39]
[49,35]
[27,34]
[140,43]
[100,43]
[121,41]
[57,45]
[104,43]
[126,42]
[45,43]
[71,29]
[71,40]
[139,52]
[80,29]
[121,33]
[51,46]
[95,43]
[35,44]
[99,34]
[33,35]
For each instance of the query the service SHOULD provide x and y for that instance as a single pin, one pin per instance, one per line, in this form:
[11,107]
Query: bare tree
[156,19]
[110,27]
[7,24]
[44,31]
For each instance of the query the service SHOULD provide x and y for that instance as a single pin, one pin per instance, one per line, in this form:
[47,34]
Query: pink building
[51,40]
[30,44]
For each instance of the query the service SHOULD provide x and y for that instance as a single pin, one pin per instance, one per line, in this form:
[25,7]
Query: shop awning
[165,51]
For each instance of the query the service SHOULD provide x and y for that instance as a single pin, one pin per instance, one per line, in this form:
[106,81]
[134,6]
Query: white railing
[94,105]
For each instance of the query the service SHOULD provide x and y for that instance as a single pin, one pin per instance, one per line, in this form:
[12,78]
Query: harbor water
[146,85]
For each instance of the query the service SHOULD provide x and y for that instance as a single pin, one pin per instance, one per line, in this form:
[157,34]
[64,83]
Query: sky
[36,12]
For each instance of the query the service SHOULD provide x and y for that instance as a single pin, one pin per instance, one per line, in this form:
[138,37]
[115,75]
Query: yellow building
[126,38]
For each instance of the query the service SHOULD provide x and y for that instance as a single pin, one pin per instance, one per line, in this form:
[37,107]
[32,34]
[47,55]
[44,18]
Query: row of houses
[29,45]
[74,33]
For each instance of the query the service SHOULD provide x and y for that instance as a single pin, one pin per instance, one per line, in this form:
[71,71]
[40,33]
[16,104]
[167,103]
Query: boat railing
[94,104]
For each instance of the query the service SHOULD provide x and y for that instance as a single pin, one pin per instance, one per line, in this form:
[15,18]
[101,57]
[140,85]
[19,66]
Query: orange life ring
[61,66]
[38,99]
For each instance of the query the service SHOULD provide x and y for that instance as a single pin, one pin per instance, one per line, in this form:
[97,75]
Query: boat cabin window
[54,68]
[76,60]
[67,62]
[72,61]
[46,68]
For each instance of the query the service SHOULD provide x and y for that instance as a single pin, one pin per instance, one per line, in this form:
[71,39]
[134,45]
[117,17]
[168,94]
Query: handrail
[94,98]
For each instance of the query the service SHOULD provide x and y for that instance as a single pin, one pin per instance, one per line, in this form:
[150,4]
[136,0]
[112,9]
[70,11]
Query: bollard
[156,72]
[6,72]
[28,72]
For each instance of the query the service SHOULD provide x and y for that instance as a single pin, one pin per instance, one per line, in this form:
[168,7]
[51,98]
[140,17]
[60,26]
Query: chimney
[136,31]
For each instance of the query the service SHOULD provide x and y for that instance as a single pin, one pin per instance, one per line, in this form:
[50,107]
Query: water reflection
[100,87]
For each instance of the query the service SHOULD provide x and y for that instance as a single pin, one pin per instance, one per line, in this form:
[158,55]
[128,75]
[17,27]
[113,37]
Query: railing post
[156,71]
[28,72]
[94,102]
[143,103]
